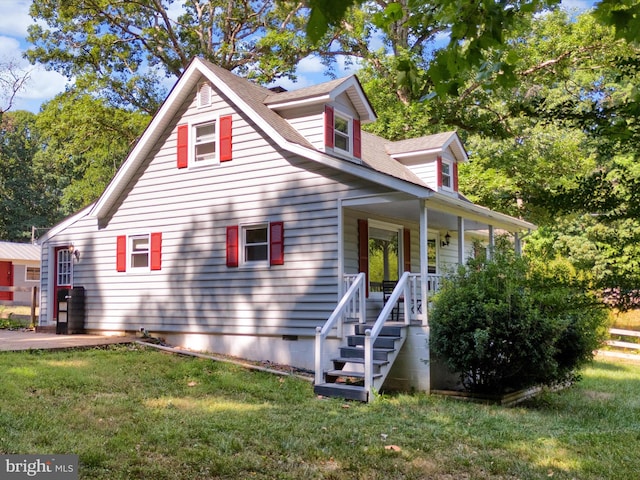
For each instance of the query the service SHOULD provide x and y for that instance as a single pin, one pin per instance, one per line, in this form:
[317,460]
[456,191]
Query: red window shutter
[276,243]
[357,139]
[363,249]
[156,251]
[121,253]
[407,249]
[439,167]
[226,137]
[455,177]
[232,246]
[183,146]
[328,126]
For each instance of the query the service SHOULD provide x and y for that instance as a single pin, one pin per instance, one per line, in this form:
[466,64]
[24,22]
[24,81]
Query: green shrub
[508,323]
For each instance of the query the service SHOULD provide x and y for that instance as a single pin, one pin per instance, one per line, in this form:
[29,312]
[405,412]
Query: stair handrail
[371,334]
[358,286]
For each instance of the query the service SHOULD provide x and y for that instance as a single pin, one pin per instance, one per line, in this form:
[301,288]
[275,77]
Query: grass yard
[136,413]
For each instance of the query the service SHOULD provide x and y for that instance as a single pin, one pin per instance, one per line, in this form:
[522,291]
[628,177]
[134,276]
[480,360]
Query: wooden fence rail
[34,298]
[624,333]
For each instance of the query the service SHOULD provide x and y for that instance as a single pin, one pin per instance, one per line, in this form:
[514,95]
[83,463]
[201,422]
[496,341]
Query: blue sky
[44,85]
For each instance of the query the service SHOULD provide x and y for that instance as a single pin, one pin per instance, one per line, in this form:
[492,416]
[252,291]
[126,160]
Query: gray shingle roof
[307,92]
[255,96]
[429,142]
[374,148]
[373,154]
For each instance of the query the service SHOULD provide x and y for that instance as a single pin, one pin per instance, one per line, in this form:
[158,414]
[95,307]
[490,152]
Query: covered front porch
[394,252]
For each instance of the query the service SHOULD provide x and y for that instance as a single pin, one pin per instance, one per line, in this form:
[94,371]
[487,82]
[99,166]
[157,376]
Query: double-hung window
[446,175]
[255,243]
[342,133]
[206,140]
[139,251]
[204,143]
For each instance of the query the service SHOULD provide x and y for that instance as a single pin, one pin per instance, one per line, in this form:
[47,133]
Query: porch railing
[405,288]
[353,304]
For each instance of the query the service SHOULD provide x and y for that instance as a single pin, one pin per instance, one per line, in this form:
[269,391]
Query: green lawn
[136,413]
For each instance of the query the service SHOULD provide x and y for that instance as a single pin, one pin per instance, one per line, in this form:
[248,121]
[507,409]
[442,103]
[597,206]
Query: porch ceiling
[410,211]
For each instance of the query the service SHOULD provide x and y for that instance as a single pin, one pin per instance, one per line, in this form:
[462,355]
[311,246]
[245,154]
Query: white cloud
[310,64]
[42,85]
[10,50]
[14,17]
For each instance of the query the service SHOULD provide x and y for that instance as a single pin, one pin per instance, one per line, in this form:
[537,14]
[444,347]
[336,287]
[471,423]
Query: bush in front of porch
[510,323]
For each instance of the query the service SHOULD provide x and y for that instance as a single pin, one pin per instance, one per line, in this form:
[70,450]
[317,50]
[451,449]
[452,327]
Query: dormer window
[342,133]
[447,175]
[445,170]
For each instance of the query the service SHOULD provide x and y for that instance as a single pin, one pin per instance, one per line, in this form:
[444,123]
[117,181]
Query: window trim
[26,273]
[337,114]
[242,244]
[130,253]
[448,175]
[193,124]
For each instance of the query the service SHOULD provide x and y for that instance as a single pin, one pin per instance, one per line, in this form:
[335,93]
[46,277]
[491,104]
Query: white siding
[309,121]
[195,291]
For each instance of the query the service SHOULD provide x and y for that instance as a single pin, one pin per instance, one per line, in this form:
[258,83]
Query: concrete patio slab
[27,339]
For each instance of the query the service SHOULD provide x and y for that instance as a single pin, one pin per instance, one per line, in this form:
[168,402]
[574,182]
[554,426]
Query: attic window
[205,143]
[204,95]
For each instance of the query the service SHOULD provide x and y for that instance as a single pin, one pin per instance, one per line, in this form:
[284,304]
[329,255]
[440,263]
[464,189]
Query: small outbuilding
[19,272]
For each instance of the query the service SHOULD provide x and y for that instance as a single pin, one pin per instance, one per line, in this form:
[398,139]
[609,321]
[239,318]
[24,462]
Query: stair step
[358,352]
[340,390]
[381,342]
[387,330]
[349,374]
[343,360]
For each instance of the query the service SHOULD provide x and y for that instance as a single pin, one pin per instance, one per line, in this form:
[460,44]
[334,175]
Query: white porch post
[424,262]
[492,243]
[460,240]
[518,244]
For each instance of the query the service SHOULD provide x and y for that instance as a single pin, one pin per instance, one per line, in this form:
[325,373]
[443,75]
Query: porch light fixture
[74,252]
[447,239]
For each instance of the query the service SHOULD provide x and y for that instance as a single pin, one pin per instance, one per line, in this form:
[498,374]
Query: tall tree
[85,141]
[122,48]
[26,199]
[12,81]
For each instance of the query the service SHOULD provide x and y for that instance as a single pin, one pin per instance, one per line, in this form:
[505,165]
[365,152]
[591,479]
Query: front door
[383,255]
[6,280]
[62,276]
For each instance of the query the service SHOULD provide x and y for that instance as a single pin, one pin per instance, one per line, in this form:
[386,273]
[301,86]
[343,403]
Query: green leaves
[326,14]
[624,15]
[507,323]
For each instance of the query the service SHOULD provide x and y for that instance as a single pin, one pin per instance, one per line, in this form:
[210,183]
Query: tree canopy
[123,49]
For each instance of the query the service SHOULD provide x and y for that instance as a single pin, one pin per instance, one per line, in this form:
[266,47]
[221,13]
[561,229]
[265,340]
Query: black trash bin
[71,311]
